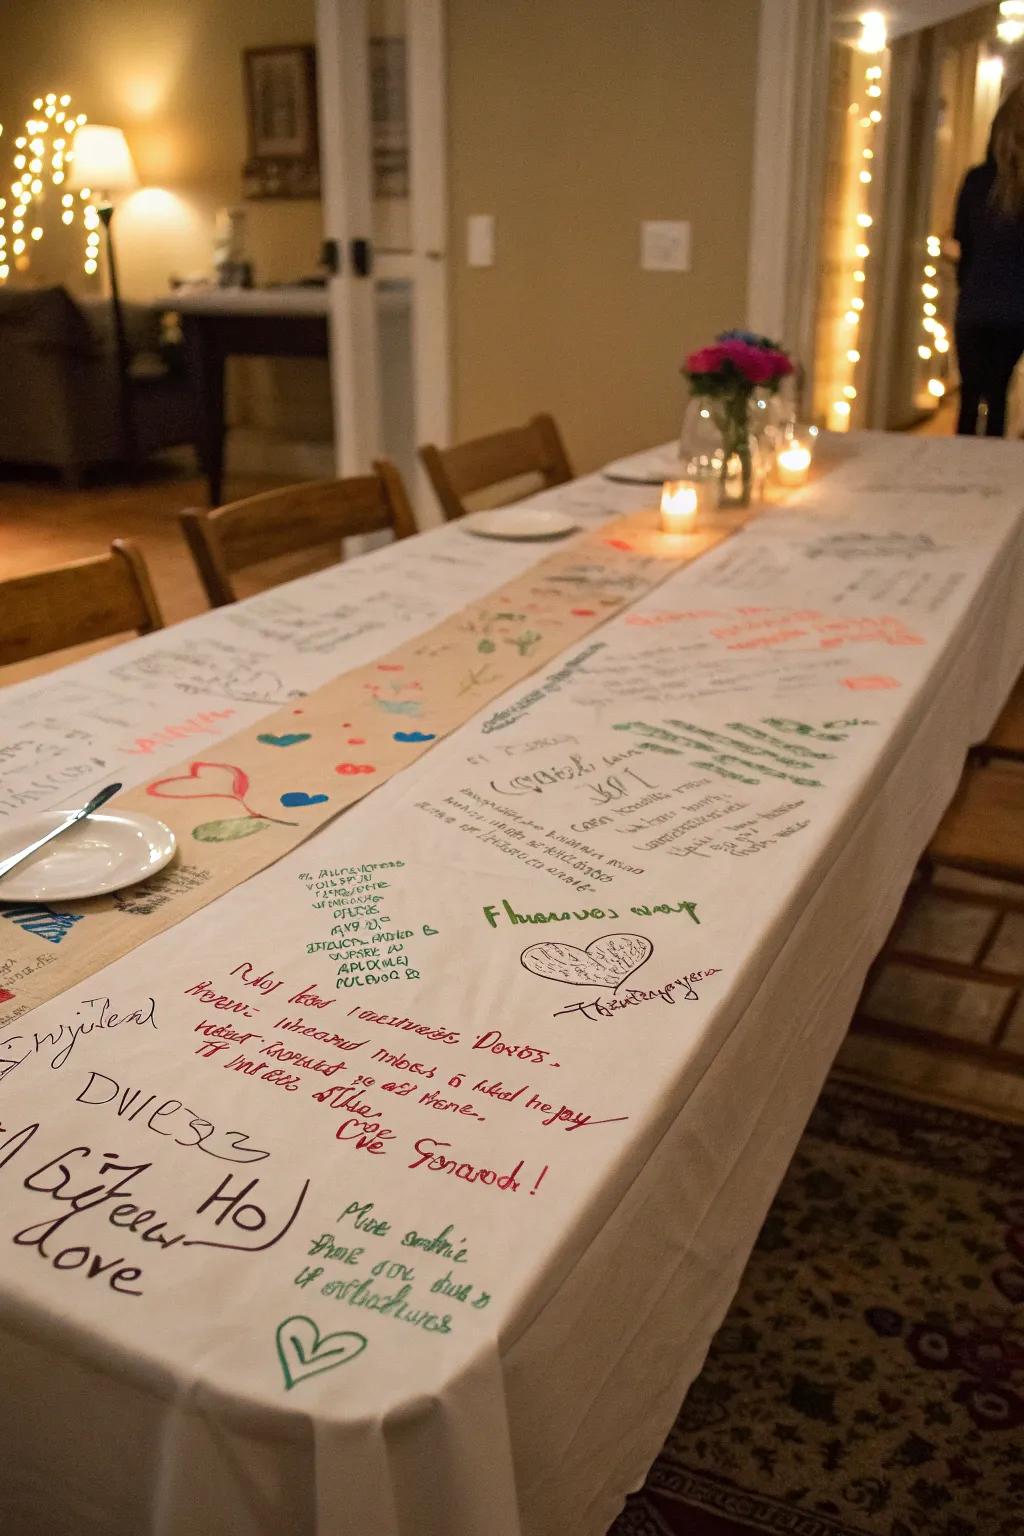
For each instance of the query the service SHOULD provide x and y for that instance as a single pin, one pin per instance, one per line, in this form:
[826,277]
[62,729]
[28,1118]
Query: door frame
[342,28]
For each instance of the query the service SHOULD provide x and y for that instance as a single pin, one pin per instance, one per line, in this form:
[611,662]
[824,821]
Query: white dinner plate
[519,523]
[650,468]
[101,854]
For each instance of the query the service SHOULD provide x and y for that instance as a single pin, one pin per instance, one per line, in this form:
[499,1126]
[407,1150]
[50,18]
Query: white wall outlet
[480,240]
[665,245]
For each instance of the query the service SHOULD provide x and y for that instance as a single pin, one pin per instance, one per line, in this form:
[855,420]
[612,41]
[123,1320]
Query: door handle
[361,257]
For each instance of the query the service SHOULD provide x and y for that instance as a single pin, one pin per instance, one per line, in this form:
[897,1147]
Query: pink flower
[753,364]
[756,364]
[706,360]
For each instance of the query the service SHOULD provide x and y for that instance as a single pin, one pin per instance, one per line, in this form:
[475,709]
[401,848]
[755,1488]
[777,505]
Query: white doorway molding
[788,162]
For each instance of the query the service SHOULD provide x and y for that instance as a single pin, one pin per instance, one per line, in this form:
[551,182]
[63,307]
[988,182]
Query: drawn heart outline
[289,739]
[237,778]
[606,962]
[304,1351]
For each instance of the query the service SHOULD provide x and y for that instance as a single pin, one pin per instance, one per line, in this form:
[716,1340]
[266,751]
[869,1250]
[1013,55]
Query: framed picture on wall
[280,105]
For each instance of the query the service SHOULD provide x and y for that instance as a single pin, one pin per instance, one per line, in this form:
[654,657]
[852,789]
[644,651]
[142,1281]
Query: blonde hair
[1007,149]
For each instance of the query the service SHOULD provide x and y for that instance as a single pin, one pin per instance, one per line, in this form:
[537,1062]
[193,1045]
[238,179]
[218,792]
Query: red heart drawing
[583,613]
[357,741]
[233,781]
[386,666]
[354,768]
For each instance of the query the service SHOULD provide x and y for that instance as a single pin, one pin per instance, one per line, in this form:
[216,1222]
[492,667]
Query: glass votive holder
[793,457]
[679,507]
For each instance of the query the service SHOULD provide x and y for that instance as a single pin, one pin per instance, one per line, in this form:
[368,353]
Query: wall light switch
[480,240]
[664,245]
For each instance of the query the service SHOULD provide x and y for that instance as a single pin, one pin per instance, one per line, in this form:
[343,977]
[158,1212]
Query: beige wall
[572,120]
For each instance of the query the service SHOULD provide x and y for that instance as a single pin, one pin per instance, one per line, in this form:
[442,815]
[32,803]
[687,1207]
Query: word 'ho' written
[87,1184]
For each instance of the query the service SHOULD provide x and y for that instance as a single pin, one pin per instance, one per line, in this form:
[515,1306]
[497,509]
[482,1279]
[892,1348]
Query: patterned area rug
[869,1378]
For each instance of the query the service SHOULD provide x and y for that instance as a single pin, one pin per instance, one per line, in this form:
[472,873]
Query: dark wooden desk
[218,323]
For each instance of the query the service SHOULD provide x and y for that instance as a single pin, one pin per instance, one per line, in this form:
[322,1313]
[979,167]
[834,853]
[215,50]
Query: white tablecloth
[740,778]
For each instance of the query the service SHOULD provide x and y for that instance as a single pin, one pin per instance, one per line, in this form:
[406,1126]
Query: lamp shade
[102,160]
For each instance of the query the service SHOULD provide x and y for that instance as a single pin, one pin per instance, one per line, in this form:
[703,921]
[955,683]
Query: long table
[403,1187]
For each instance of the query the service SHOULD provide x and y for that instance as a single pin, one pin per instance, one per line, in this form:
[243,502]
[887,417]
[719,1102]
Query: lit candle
[792,463]
[678,506]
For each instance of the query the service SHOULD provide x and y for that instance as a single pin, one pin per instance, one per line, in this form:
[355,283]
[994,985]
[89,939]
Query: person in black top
[989,225]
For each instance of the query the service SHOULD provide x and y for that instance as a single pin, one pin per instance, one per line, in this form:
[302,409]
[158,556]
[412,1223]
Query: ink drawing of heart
[304,1351]
[607,962]
[204,781]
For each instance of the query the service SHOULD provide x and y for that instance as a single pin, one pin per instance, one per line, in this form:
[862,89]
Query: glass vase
[719,443]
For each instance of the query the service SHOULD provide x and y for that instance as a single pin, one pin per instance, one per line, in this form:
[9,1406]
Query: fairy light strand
[1010,27]
[872,42]
[42,152]
[933,347]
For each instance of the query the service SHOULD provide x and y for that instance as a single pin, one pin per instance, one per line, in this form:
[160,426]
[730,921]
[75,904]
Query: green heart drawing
[303,1352]
[229,829]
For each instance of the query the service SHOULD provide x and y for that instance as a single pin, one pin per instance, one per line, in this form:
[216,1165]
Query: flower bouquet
[723,379]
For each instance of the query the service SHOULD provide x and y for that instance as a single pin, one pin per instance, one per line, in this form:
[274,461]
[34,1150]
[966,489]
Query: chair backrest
[243,533]
[484,462]
[75,603]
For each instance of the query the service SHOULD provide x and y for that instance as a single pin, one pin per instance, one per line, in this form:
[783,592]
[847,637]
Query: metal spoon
[6,865]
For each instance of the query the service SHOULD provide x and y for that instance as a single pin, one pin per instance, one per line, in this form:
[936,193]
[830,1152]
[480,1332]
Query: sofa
[60,390]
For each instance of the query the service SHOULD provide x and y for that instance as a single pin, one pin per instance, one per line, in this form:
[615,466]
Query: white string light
[38,157]
[1010,27]
[872,33]
[934,344]
[872,41]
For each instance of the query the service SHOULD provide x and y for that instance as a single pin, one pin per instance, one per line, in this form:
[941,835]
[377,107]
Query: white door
[382,132]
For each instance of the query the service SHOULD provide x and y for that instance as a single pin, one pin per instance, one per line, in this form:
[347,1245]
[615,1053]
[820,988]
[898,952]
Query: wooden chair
[535,449]
[983,828]
[75,603]
[982,834]
[297,517]
[1006,738]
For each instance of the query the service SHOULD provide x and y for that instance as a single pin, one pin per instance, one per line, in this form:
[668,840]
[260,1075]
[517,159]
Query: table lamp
[102,163]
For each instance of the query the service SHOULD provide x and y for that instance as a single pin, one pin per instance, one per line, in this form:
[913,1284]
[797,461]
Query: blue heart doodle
[414,736]
[299,797]
[290,739]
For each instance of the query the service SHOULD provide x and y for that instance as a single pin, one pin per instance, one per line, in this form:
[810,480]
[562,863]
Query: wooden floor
[42,524]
